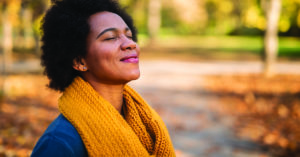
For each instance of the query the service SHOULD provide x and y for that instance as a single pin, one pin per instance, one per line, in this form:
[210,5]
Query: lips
[130,59]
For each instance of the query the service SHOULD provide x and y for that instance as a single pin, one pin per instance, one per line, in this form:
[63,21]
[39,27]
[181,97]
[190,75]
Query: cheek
[95,51]
[100,55]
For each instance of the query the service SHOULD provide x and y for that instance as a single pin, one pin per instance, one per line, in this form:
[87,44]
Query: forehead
[103,20]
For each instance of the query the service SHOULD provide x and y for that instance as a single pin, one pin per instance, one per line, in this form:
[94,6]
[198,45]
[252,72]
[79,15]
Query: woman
[90,54]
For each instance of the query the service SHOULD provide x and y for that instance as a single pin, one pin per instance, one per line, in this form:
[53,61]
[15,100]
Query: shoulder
[60,139]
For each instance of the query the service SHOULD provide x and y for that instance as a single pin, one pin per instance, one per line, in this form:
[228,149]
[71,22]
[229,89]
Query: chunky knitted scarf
[103,129]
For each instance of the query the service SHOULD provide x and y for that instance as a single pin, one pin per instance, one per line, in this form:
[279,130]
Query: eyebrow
[110,29]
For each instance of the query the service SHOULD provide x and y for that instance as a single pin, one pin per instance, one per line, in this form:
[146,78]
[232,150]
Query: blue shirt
[60,139]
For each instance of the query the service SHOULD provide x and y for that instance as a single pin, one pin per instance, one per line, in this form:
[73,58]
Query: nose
[128,44]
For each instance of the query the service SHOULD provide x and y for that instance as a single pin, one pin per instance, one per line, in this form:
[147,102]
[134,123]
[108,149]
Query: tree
[271,39]
[9,12]
[38,8]
[154,18]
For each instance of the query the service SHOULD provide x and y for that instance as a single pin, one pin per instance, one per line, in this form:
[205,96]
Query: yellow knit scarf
[105,132]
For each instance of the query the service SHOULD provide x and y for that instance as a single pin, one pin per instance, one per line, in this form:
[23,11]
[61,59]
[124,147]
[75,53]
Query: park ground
[215,103]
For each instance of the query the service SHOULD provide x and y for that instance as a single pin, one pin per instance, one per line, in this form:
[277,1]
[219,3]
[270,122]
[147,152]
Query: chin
[133,76]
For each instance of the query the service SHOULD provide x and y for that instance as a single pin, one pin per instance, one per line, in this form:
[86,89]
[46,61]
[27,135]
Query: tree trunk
[271,38]
[7,45]
[7,40]
[28,30]
[154,18]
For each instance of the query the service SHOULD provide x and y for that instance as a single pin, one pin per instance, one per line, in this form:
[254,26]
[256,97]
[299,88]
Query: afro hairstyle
[64,32]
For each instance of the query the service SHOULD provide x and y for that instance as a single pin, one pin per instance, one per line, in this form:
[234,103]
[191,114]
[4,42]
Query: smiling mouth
[130,59]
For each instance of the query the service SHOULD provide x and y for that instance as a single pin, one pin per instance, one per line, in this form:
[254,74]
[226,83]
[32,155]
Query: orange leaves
[256,83]
[252,131]
[296,111]
[267,109]
[271,138]
[283,111]
[27,110]
[283,142]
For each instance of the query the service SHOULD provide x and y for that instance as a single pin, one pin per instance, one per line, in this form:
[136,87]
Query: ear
[79,64]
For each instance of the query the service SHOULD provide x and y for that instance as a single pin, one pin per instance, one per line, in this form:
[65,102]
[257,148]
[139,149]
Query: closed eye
[111,38]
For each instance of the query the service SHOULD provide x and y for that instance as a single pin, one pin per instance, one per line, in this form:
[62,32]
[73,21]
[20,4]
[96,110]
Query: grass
[220,46]
[195,48]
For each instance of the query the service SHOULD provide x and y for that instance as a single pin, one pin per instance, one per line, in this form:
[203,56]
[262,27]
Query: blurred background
[224,75]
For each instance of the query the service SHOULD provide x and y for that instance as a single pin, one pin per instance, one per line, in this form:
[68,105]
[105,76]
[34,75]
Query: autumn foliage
[267,110]
[26,112]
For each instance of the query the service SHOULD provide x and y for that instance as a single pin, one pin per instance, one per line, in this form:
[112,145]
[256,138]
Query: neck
[111,93]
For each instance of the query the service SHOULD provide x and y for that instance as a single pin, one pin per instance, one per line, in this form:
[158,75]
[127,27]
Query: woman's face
[112,56]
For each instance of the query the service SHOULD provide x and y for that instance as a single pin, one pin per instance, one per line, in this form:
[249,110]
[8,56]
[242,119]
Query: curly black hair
[65,29]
